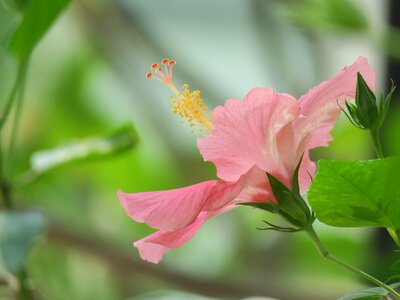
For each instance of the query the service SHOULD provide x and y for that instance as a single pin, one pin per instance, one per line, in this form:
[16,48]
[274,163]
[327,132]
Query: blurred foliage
[17,5]
[341,16]
[122,139]
[393,147]
[82,275]
[38,17]
[390,42]
[18,231]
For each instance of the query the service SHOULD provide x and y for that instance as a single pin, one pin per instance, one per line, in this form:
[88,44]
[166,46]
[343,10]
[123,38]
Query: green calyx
[367,113]
[289,205]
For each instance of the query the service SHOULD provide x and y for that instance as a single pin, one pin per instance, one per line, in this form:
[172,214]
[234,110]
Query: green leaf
[357,193]
[88,149]
[38,18]
[169,295]
[18,230]
[395,285]
[375,293]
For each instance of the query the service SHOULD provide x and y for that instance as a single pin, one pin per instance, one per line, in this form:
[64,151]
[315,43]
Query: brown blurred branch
[126,266]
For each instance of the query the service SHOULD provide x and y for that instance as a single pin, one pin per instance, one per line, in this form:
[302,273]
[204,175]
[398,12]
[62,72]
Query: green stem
[377,143]
[394,233]
[25,293]
[17,93]
[6,193]
[18,110]
[324,253]
[5,190]
[11,98]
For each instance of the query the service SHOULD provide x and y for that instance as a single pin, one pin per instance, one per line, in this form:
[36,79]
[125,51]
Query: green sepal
[384,105]
[296,188]
[286,202]
[273,208]
[279,228]
[291,205]
[353,112]
[366,104]
[269,206]
[295,178]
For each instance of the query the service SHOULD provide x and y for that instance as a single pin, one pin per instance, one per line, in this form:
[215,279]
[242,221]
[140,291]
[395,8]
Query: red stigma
[162,72]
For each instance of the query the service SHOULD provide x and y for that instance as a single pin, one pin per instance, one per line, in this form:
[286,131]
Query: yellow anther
[188,105]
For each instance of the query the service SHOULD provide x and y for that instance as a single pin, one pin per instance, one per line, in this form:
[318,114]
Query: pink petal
[176,209]
[256,189]
[153,247]
[244,133]
[253,186]
[225,193]
[319,105]
[168,210]
[319,112]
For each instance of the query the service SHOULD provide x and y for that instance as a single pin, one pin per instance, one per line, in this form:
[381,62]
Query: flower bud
[367,113]
[289,205]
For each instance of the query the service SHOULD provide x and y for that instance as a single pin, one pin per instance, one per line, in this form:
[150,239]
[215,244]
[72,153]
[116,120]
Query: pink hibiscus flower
[266,132]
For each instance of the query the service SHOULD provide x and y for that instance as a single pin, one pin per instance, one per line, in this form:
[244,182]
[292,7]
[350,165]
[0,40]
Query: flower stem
[324,253]
[394,233]
[377,143]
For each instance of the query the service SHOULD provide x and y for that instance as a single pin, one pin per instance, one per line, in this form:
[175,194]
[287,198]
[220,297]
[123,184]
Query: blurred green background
[87,77]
